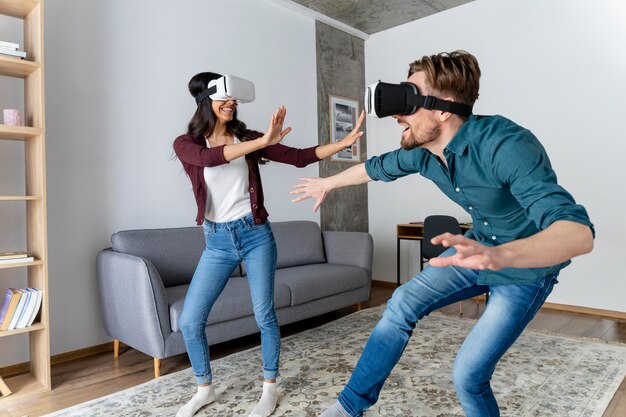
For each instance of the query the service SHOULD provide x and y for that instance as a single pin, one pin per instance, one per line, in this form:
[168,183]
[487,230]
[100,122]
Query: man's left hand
[469,253]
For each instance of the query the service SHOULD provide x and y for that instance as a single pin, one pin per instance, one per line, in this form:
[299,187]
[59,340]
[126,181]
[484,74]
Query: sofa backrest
[174,252]
[298,243]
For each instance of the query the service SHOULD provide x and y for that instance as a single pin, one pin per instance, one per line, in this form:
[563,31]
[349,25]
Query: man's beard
[424,135]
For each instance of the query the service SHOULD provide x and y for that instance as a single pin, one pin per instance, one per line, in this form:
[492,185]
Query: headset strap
[206,93]
[434,103]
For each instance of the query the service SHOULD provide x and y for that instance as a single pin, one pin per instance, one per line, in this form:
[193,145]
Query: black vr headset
[384,99]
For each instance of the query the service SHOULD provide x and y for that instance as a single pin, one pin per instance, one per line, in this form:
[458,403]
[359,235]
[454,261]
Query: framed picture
[344,113]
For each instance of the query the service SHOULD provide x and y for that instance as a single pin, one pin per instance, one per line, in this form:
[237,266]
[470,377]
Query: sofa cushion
[298,243]
[311,282]
[234,302]
[173,252]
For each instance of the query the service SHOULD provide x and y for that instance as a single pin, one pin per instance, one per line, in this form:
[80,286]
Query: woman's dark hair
[204,120]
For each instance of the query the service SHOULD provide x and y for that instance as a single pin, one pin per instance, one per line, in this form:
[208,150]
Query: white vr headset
[228,87]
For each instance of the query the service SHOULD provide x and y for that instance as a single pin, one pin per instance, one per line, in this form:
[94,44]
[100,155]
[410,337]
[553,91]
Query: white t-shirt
[227,196]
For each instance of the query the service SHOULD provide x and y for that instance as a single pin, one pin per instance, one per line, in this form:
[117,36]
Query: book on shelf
[16,260]
[20,315]
[5,304]
[31,306]
[36,308]
[9,45]
[22,307]
[12,52]
[8,315]
[13,255]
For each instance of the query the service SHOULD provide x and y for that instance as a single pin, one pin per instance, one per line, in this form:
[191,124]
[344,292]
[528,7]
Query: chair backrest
[433,226]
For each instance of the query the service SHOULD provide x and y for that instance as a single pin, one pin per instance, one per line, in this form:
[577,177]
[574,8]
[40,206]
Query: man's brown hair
[455,74]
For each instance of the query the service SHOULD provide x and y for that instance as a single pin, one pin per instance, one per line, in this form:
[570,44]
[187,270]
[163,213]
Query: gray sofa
[144,276]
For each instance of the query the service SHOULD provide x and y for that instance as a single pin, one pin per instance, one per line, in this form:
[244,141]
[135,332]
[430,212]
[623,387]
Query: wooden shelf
[31,70]
[15,67]
[33,328]
[21,264]
[23,386]
[17,8]
[20,198]
[19,132]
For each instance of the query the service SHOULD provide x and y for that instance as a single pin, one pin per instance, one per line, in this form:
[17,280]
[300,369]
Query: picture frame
[344,113]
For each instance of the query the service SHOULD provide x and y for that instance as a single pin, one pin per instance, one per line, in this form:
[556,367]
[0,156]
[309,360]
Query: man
[526,229]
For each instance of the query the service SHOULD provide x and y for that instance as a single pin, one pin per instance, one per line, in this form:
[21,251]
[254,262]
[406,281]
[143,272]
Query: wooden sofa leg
[116,348]
[359,307]
[157,367]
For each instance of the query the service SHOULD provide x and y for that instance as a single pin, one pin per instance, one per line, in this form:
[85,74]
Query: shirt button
[457,189]
[257,221]
[251,189]
[470,208]
[254,206]
[486,223]
[493,238]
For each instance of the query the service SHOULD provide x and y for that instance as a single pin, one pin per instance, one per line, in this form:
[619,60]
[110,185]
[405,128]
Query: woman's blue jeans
[227,244]
[509,310]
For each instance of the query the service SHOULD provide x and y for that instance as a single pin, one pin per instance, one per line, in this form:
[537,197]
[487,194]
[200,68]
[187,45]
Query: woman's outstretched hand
[356,133]
[274,132]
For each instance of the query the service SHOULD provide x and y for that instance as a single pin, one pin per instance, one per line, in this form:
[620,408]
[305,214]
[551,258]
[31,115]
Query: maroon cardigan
[195,157]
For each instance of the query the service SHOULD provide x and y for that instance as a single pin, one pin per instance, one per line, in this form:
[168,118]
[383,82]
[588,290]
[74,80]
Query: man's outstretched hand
[311,188]
[469,253]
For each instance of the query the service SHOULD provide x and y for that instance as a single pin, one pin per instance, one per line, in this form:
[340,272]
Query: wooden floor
[84,379]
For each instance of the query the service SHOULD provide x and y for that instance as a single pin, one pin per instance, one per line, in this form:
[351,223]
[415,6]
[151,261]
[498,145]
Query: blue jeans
[509,310]
[227,244]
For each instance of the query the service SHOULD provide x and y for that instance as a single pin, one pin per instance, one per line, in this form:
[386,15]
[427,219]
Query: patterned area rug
[541,375]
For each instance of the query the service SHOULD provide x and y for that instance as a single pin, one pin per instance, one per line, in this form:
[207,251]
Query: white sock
[267,404]
[336,410]
[204,396]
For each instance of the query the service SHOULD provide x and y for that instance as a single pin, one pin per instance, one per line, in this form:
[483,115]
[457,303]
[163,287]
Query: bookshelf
[32,135]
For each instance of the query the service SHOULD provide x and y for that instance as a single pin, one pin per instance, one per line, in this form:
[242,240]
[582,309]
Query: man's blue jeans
[509,310]
[227,244]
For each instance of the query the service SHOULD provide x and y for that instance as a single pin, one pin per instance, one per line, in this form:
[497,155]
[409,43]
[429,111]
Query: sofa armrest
[133,302]
[349,248]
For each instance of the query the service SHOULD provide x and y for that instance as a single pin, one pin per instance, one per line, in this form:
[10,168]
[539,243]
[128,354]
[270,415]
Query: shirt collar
[460,140]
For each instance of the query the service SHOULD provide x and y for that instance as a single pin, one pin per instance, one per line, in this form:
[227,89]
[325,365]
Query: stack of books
[11,49]
[14,258]
[19,308]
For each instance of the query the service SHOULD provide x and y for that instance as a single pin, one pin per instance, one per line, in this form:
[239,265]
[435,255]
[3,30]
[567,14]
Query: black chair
[434,226]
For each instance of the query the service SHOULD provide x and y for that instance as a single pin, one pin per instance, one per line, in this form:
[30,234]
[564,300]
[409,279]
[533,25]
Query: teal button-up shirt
[501,175]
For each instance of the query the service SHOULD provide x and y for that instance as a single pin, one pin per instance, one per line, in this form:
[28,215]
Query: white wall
[554,67]
[116,97]
[116,75]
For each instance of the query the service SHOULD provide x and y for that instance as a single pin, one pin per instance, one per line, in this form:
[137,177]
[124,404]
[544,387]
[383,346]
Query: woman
[221,157]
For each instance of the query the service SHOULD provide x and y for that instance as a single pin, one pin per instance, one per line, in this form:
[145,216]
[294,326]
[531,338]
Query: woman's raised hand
[274,132]
[356,133]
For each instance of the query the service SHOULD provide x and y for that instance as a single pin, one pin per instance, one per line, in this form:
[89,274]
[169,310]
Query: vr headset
[384,99]
[228,87]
